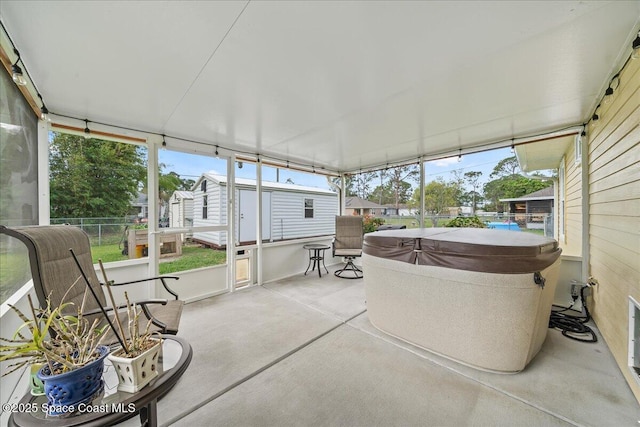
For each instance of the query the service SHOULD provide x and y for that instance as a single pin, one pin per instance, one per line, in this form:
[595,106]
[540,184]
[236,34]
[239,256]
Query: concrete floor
[302,352]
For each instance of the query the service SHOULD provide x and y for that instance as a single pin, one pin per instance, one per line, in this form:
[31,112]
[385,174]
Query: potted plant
[69,348]
[136,362]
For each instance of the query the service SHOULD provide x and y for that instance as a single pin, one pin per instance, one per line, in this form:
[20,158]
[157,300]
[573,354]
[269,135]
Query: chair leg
[350,270]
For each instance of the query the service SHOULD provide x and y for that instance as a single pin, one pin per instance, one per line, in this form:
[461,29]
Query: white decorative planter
[135,373]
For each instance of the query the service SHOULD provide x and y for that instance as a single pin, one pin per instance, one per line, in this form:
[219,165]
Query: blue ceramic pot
[68,390]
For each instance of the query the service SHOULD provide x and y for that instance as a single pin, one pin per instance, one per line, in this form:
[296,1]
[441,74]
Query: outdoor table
[316,254]
[114,406]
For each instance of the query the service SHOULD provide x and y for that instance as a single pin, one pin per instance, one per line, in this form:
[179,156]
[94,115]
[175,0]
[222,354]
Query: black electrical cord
[573,326]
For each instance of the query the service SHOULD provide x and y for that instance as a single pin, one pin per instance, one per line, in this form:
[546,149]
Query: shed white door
[247,222]
[175,215]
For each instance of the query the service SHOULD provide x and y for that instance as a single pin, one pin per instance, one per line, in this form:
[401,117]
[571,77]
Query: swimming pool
[513,226]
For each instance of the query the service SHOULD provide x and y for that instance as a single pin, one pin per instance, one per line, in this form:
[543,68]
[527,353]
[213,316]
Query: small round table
[316,254]
[116,406]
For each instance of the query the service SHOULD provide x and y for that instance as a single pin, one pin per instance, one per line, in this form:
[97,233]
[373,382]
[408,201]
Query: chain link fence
[541,223]
[101,231]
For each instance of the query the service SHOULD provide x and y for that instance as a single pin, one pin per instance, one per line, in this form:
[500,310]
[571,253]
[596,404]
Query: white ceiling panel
[340,85]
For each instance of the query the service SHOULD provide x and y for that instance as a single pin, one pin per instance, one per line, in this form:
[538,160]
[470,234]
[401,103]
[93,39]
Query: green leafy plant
[65,342]
[466,222]
[371,223]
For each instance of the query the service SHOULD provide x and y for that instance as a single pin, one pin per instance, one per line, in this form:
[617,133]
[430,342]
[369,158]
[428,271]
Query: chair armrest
[161,278]
[147,313]
[140,303]
[143,304]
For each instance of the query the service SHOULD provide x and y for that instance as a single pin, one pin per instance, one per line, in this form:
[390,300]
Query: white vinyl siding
[214,215]
[181,209]
[572,244]
[287,211]
[288,217]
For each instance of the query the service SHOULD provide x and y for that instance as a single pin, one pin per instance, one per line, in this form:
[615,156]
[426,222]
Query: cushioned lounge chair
[54,271]
[348,244]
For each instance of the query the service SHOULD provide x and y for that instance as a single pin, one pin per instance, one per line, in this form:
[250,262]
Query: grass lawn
[192,257]
[14,273]
[107,253]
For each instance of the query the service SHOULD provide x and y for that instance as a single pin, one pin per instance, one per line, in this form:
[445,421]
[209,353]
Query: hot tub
[481,297]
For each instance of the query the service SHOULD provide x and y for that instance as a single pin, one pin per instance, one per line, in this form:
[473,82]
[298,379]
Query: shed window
[308,208]
[203,185]
[204,206]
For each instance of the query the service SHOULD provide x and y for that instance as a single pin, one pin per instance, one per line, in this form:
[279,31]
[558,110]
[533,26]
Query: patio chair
[54,272]
[348,244]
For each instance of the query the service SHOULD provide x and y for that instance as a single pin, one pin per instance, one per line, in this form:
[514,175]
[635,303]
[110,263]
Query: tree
[382,194]
[506,167]
[93,178]
[362,184]
[167,184]
[471,198]
[511,187]
[379,190]
[473,179]
[188,183]
[398,184]
[457,182]
[348,184]
[438,197]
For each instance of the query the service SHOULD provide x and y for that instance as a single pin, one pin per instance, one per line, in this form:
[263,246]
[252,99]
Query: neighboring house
[390,210]
[359,206]
[459,211]
[531,210]
[407,211]
[140,206]
[181,209]
[289,211]
[401,210]
[598,214]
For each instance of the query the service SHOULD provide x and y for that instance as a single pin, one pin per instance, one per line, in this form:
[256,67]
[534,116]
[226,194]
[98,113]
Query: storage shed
[181,209]
[289,211]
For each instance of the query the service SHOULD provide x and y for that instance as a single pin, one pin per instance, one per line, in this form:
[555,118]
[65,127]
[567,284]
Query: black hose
[573,326]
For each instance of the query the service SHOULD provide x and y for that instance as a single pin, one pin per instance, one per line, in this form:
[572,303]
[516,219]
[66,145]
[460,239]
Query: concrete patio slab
[235,335]
[573,380]
[343,298]
[352,378]
[302,352]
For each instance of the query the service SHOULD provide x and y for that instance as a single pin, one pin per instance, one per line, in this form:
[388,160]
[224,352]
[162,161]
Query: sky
[193,166]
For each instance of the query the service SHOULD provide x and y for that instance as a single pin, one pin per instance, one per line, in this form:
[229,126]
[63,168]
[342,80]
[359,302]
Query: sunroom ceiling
[340,85]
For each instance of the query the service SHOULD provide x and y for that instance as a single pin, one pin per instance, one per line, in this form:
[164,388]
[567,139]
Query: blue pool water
[513,226]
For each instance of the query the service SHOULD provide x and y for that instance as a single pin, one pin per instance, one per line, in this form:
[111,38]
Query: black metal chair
[348,244]
[56,276]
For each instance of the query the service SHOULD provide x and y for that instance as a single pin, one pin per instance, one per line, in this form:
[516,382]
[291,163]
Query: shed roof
[182,194]
[245,182]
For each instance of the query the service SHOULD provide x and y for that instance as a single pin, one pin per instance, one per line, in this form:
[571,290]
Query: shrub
[466,222]
[371,223]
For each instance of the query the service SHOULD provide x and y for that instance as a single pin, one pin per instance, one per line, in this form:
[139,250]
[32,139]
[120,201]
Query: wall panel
[614,215]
